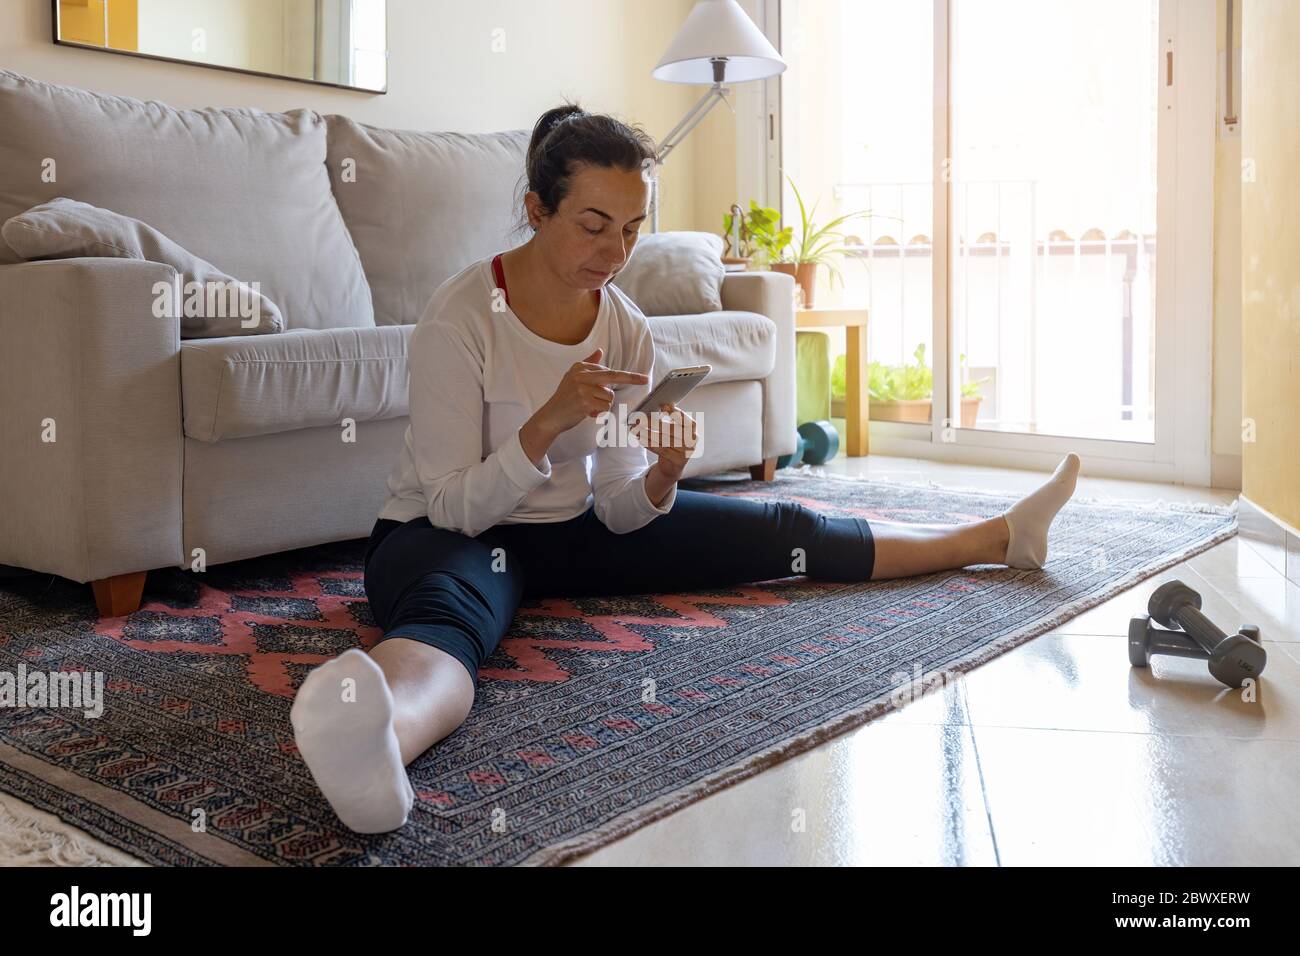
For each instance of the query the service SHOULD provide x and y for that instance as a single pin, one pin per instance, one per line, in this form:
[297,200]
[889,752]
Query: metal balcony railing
[899,241]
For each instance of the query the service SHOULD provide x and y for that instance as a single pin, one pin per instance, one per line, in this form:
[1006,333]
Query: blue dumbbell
[823,441]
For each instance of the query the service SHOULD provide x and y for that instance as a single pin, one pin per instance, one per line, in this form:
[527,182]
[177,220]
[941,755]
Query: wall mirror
[333,42]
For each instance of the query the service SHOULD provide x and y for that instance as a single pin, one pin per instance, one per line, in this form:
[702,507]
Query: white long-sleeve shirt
[476,376]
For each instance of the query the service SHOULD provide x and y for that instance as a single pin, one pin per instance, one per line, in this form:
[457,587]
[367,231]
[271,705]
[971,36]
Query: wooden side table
[856,404]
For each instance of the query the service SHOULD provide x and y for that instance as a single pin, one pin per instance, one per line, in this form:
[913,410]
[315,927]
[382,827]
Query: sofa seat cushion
[739,345]
[237,386]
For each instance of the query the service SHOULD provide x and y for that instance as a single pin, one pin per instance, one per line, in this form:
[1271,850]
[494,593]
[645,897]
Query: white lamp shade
[718,28]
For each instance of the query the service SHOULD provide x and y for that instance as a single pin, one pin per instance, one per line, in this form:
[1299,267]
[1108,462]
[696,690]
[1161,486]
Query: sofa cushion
[739,345]
[208,302]
[423,206]
[238,386]
[674,273]
[238,187]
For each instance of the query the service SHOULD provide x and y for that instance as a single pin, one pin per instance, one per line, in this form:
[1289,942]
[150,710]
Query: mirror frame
[54,26]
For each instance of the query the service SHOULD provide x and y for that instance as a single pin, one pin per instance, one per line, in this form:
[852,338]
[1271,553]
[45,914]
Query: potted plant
[817,246]
[760,236]
[903,393]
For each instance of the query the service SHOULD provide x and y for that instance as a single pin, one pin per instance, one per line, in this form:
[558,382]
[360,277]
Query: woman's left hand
[673,436]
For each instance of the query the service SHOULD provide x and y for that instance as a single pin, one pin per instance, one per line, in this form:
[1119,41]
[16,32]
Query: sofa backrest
[244,189]
[423,206]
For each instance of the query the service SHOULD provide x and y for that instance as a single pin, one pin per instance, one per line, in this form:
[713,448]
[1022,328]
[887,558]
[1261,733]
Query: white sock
[345,734]
[1031,516]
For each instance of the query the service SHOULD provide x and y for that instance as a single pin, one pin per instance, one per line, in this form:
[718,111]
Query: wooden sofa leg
[120,594]
[766,471]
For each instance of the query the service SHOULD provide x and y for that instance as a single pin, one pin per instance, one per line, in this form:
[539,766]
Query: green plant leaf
[890,383]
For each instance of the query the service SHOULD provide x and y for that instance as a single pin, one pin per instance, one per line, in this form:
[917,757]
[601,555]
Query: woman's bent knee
[464,618]
[444,589]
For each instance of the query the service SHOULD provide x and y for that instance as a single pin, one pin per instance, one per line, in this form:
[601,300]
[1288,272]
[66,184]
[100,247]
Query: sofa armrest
[81,348]
[771,294]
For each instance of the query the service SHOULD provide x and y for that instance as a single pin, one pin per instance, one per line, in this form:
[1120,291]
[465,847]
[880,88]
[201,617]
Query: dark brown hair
[568,137]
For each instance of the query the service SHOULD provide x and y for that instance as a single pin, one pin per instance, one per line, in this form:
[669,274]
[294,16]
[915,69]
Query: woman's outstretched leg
[906,549]
[1017,539]
[710,540]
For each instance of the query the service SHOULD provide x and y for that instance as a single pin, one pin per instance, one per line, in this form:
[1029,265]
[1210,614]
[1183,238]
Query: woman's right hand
[584,392]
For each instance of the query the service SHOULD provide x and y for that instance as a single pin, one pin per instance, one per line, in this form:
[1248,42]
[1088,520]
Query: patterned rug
[594,717]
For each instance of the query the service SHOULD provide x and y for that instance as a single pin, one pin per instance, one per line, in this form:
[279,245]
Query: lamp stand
[717,92]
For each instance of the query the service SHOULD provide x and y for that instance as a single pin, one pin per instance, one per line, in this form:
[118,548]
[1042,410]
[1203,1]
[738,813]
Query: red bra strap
[501,279]
[501,276]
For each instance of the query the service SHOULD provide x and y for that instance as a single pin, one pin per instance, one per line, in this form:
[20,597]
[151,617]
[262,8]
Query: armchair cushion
[739,345]
[209,303]
[241,385]
[674,273]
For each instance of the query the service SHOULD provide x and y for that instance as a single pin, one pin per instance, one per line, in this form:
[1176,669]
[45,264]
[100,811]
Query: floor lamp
[718,43]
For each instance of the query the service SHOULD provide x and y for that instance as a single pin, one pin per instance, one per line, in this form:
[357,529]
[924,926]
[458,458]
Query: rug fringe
[1162,504]
[27,839]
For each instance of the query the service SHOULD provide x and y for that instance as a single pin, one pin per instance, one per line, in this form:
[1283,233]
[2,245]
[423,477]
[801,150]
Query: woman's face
[591,235]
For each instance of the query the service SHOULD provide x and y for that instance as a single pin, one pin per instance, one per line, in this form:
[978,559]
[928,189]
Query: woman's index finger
[617,375]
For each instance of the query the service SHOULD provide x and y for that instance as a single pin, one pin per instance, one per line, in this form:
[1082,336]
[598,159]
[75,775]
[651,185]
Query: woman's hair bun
[590,139]
[553,118]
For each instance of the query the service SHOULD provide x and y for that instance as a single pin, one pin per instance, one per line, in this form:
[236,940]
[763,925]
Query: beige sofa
[168,450]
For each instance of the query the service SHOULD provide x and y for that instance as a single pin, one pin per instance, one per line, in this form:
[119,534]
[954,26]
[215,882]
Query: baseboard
[1272,538]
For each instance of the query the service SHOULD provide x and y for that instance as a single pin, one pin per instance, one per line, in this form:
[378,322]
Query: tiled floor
[1055,753]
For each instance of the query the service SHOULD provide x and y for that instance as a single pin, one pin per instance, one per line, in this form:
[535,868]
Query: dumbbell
[1232,658]
[821,441]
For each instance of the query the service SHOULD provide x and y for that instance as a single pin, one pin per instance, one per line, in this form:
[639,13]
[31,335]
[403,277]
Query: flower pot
[910,410]
[805,277]
[907,410]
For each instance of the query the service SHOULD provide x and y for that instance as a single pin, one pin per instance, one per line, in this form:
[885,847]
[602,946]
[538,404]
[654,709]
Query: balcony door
[1035,184]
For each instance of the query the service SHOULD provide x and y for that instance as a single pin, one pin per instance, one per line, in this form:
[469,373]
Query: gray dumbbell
[1232,658]
[1145,640]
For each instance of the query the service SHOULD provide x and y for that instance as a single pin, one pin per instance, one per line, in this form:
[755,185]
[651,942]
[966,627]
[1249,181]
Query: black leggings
[459,593]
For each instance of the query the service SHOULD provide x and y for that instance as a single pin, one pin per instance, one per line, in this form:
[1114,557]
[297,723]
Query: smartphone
[674,387]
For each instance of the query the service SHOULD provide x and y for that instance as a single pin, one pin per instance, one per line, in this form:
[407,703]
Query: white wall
[444,73]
